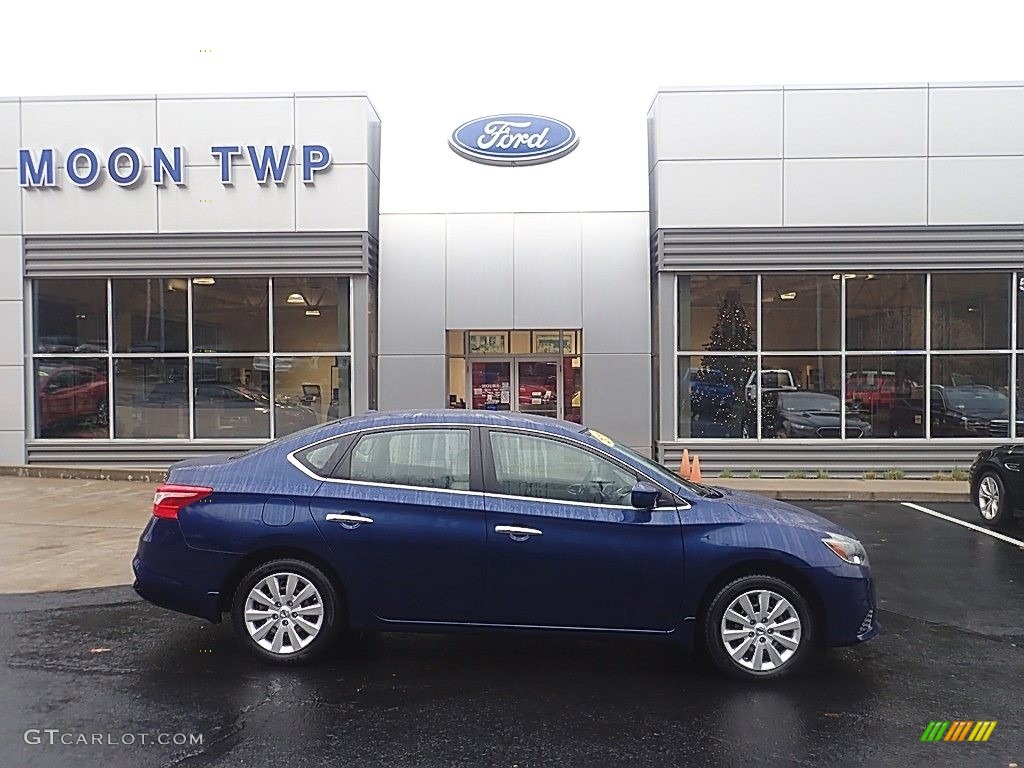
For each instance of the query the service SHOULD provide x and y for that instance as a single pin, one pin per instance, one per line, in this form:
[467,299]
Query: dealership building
[824,278]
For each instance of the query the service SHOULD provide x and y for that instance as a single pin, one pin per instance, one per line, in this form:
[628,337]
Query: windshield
[809,401]
[653,468]
[976,399]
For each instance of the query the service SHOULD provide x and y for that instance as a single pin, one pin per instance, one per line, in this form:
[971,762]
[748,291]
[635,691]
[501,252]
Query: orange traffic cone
[684,465]
[695,470]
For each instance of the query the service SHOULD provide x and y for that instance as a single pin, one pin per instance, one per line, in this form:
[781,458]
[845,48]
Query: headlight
[801,427]
[849,550]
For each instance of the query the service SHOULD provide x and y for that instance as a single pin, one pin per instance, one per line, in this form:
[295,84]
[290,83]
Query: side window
[320,459]
[426,458]
[526,465]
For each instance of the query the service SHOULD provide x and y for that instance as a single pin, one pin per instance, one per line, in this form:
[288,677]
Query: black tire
[806,634]
[999,512]
[327,598]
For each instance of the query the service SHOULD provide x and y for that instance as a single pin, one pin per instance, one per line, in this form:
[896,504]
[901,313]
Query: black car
[971,410]
[997,483]
[809,415]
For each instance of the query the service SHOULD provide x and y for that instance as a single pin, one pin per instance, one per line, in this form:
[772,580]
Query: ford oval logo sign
[513,140]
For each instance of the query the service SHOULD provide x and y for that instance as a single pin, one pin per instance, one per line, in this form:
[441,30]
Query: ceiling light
[849,275]
[203,280]
[869,277]
[788,296]
[836,277]
[972,309]
[295,298]
[312,313]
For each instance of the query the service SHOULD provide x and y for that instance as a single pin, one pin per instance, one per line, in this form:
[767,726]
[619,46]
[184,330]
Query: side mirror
[644,496]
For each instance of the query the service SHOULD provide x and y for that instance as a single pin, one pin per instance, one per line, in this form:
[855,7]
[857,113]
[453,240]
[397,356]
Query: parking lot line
[972,526]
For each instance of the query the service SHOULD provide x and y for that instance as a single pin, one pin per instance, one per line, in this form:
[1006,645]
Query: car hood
[765,510]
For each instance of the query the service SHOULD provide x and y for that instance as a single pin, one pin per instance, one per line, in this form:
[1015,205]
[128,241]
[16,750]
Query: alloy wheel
[988,497]
[761,630]
[284,613]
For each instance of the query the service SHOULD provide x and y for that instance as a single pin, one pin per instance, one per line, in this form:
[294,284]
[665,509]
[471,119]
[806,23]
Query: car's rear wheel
[286,611]
[990,497]
[759,628]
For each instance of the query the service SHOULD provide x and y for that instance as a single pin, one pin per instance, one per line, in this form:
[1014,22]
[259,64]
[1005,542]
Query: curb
[123,474]
[894,496]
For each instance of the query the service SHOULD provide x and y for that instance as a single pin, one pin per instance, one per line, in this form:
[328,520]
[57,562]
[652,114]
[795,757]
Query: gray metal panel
[308,253]
[617,396]
[412,286]
[774,458]
[150,453]
[548,291]
[839,248]
[411,381]
[616,283]
[479,276]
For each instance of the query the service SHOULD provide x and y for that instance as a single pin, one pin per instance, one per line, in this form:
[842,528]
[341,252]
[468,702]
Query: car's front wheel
[286,611]
[758,628]
[990,497]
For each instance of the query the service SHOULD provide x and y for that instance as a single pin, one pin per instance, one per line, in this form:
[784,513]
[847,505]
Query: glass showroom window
[71,368]
[717,339]
[846,355]
[190,357]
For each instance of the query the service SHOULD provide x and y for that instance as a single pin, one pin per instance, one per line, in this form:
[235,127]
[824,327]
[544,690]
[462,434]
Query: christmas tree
[732,332]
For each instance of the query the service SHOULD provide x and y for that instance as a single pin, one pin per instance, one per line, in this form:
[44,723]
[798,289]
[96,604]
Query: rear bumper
[172,575]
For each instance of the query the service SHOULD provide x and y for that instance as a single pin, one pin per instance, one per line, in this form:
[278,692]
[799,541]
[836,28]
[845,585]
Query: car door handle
[349,521]
[516,533]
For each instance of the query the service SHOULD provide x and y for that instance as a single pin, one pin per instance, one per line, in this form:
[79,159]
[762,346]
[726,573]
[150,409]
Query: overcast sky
[429,67]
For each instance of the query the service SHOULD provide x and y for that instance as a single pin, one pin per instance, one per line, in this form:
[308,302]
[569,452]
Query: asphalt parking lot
[952,605]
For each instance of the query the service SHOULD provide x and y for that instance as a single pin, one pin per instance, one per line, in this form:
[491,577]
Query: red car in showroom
[69,394]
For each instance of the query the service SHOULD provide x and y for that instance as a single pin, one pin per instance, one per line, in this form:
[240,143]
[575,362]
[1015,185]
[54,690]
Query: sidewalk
[60,534]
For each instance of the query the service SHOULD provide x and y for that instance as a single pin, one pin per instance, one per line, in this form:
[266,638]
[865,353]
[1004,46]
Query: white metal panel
[12,339]
[11,268]
[10,133]
[339,200]
[722,193]
[343,125]
[206,205]
[716,125]
[479,274]
[12,447]
[98,125]
[198,124]
[12,384]
[616,283]
[617,396]
[411,288]
[983,190]
[10,203]
[839,192]
[977,121]
[548,289]
[105,207]
[881,122]
[411,381]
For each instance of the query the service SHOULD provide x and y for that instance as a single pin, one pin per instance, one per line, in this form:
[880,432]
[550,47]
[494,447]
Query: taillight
[168,499]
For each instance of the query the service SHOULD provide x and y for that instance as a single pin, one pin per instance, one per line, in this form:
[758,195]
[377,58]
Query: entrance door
[538,386]
[516,384]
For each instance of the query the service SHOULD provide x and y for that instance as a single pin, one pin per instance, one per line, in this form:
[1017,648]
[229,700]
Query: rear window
[320,458]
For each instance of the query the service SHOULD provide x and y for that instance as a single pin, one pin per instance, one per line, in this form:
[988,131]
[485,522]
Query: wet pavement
[100,662]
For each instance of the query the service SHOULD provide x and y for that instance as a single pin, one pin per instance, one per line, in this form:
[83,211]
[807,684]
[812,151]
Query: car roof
[461,416]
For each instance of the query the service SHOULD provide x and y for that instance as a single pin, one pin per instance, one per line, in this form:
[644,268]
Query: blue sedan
[468,521]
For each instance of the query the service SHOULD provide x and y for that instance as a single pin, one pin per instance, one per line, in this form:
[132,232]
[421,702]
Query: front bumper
[848,597]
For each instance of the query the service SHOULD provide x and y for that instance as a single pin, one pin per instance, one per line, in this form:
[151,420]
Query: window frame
[191,355]
[490,479]
[928,352]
